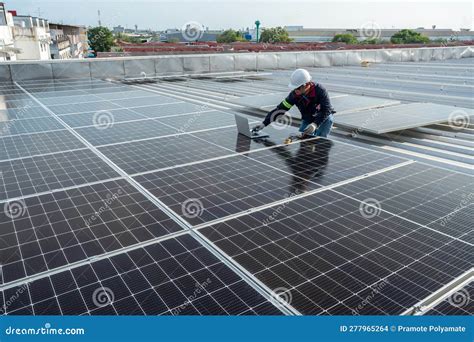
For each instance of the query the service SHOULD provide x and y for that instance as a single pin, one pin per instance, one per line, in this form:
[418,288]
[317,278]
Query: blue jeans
[323,130]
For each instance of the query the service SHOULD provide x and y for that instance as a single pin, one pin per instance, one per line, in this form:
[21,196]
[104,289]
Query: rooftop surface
[141,198]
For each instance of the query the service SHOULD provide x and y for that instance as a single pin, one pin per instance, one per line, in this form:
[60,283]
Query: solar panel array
[400,117]
[120,201]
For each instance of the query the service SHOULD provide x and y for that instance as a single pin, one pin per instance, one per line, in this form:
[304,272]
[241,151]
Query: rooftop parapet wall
[148,66]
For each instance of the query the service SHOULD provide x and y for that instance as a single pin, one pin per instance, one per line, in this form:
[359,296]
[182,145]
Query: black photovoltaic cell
[330,161]
[221,187]
[53,230]
[460,303]
[122,132]
[14,127]
[161,153]
[94,118]
[175,277]
[324,254]
[22,177]
[21,146]
[420,193]
[458,223]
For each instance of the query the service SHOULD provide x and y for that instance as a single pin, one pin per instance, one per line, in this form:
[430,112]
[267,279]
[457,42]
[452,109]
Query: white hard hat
[298,78]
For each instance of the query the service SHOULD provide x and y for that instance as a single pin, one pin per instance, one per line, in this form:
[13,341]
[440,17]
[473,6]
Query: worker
[313,102]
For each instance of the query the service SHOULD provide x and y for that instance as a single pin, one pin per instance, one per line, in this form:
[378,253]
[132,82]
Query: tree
[406,36]
[275,35]
[128,39]
[345,38]
[229,36]
[100,38]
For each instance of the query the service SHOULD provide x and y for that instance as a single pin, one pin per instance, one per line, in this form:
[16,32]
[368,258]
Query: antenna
[39,12]
[98,14]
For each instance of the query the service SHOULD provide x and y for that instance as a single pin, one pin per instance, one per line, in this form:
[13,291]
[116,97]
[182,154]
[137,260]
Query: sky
[223,14]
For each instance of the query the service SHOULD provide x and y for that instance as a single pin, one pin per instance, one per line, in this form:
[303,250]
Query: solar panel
[14,127]
[144,101]
[83,107]
[45,232]
[177,108]
[231,185]
[121,132]
[267,210]
[401,117]
[459,303]
[202,120]
[94,118]
[424,194]
[22,177]
[154,154]
[324,161]
[221,187]
[28,112]
[325,256]
[175,277]
[27,145]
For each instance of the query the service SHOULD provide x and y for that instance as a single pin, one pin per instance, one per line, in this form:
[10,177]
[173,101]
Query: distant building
[8,51]
[68,41]
[32,37]
[118,29]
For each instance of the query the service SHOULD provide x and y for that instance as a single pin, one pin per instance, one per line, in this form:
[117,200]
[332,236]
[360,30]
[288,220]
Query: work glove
[310,129]
[258,128]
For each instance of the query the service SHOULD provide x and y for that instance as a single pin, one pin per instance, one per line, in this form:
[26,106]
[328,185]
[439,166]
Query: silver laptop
[244,128]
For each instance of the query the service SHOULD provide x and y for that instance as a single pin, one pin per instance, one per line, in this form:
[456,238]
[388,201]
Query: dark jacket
[306,104]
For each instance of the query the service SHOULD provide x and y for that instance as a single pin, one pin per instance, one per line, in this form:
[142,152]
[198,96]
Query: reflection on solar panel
[401,117]
[162,206]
